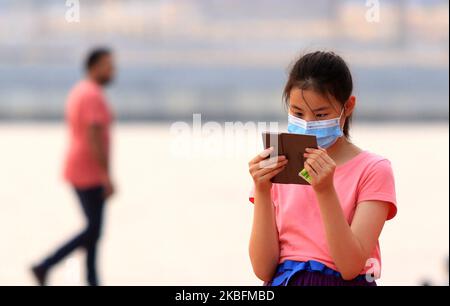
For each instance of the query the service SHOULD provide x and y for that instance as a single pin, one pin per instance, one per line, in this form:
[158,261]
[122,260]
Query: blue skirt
[312,273]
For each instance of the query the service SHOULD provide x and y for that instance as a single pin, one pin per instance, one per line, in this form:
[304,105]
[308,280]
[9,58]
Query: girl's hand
[262,169]
[321,168]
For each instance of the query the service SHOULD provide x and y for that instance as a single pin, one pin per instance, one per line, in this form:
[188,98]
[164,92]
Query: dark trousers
[92,202]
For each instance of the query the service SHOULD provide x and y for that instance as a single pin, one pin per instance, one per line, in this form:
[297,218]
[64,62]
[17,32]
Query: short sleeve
[94,110]
[378,185]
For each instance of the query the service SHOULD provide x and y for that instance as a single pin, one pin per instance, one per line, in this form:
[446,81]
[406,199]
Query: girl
[325,233]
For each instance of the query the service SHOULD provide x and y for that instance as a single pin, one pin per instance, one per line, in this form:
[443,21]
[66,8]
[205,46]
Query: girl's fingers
[315,159]
[314,163]
[266,152]
[325,155]
[263,155]
[311,171]
[320,155]
[328,159]
[270,175]
[319,151]
[316,154]
[271,162]
[263,171]
[267,163]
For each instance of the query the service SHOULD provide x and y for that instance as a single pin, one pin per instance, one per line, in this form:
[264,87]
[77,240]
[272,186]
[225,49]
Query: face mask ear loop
[343,110]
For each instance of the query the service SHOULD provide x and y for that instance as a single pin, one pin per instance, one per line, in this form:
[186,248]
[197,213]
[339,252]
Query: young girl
[325,233]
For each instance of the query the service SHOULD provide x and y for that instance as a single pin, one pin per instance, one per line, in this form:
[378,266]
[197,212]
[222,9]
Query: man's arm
[95,132]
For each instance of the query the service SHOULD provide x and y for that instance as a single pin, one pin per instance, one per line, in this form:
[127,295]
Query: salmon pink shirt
[366,177]
[86,105]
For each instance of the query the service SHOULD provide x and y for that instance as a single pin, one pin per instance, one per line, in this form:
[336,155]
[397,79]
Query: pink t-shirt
[86,105]
[301,232]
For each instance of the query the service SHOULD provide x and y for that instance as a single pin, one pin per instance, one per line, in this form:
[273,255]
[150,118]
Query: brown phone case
[292,146]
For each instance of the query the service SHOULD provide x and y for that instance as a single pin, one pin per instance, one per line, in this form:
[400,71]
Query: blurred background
[227,60]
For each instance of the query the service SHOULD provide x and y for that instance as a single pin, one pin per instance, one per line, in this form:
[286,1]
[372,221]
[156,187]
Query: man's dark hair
[95,56]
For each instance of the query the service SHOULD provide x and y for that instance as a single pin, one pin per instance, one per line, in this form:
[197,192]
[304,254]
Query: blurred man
[87,161]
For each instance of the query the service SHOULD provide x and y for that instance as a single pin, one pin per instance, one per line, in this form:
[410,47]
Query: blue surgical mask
[326,131]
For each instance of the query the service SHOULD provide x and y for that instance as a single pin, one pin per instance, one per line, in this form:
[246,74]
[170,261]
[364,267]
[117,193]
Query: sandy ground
[185,220]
